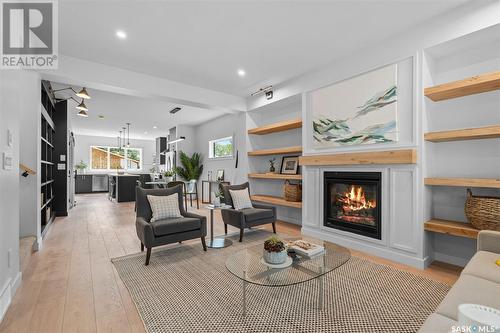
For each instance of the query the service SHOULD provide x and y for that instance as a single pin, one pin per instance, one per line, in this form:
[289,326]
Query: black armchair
[166,231]
[248,217]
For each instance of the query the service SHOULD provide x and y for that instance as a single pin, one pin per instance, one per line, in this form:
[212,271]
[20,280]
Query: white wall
[10,108]
[233,124]
[29,155]
[83,143]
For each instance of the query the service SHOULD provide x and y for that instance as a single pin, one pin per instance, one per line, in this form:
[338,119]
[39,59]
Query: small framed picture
[220,175]
[290,165]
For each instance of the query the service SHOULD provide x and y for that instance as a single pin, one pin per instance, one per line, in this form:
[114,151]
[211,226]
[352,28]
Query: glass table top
[246,265]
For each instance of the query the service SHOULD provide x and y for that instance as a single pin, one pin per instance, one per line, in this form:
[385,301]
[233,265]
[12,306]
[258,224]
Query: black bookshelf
[47,172]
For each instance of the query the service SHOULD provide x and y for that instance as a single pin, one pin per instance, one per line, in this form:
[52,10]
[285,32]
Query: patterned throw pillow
[164,206]
[241,199]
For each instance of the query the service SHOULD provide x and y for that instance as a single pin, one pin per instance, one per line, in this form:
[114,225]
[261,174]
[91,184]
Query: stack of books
[307,249]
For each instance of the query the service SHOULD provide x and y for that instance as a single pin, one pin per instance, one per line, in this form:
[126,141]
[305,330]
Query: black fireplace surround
[352,202]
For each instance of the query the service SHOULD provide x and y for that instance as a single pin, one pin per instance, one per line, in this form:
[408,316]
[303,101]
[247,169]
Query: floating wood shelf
[460,229]
[472,85]
[489,132]
[277,127]
[276,201]
[274,176]
[276,151]
[463,182]
[405,156]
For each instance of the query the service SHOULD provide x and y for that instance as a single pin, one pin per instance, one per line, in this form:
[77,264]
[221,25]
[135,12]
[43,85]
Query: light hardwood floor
[72,286]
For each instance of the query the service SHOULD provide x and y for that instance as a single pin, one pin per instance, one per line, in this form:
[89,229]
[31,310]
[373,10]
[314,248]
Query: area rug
[187,290]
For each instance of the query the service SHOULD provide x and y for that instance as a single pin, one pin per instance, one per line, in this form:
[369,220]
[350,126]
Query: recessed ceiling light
[241,72]
[145,132]
[121,34]
[100,116]
[155,127]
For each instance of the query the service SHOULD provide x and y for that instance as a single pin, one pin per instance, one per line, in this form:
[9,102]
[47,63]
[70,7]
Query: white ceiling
[142,113]
[204,43]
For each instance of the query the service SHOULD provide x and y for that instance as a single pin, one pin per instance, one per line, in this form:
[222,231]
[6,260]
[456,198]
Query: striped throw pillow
[164,206]
[241,199]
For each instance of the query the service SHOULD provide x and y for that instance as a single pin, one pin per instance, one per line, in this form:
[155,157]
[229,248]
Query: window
[112,158]
[221,148]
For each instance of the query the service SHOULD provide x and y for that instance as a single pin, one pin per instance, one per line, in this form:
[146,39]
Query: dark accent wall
[61,148]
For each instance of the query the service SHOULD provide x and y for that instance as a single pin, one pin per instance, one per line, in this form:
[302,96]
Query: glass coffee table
[248,267]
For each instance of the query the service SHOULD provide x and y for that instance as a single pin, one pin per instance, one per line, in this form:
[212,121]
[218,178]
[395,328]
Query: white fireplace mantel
[402,236]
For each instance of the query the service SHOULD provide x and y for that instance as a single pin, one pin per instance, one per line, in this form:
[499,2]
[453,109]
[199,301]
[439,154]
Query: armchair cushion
[227,194]
[143,206]
[254,214]
[175,225]
[164,206]
[241,199]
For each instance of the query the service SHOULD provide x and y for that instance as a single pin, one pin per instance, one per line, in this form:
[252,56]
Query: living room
[184,167]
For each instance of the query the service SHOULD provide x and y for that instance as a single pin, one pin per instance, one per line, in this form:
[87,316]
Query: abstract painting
[361,110]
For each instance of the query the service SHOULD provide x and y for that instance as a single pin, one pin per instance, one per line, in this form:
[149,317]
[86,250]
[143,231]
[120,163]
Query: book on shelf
[305,248]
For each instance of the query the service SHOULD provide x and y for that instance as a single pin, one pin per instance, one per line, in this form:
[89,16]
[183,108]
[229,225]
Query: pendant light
[128,135]
[123,128]
[83,94]
[120,140]
[83,113]
[82,106]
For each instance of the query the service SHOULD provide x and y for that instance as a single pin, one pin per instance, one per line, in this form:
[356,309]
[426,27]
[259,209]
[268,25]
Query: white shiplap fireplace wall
[402,232]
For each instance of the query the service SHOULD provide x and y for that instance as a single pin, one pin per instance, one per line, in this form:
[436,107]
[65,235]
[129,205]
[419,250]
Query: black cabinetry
[83,184]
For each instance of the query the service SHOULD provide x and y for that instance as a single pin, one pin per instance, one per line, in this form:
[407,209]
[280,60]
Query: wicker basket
[483,212]
[292,192]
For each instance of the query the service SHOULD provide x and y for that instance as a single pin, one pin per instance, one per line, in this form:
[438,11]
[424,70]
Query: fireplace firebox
[353,202]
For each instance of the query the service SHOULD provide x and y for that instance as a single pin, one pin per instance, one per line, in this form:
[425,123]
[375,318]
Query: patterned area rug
[187,290]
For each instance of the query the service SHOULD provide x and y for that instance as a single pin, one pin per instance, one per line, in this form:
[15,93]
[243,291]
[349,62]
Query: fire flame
[355,199]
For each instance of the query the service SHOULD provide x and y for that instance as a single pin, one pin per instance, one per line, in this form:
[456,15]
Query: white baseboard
[5,298]
[367,248]
[7,292]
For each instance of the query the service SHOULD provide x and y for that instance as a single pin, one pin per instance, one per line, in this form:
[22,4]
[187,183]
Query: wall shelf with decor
[274,176]
[276,151]
[459,147]
[279,201]
[275,136]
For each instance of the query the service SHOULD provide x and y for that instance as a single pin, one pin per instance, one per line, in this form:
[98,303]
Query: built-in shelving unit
[276,127]
[453,228]
[47,212]
[275,201]
[274,176]
[469,86]
[276,151]
[489,132]
[464,182]
[451,73]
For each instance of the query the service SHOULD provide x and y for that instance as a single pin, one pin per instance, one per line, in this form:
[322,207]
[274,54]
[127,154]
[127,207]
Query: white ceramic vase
[275,258]
[191,186]
[216,202]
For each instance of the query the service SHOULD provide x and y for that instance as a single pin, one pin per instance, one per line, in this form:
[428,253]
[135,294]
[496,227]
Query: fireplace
[353,202]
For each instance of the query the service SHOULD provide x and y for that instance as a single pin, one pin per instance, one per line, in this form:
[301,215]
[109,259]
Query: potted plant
[190,170]
[80,167]
[169,175]
[272,169]
[274,251]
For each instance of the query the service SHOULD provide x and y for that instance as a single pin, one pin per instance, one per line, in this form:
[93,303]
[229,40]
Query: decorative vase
[217,202]
[272,169]
[191,186]
[275,258]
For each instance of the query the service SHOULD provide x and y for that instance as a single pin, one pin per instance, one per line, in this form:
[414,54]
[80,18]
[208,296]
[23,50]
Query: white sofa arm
[488,240]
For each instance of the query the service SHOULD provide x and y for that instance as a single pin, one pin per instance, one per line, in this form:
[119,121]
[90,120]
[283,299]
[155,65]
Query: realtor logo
[29,34]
